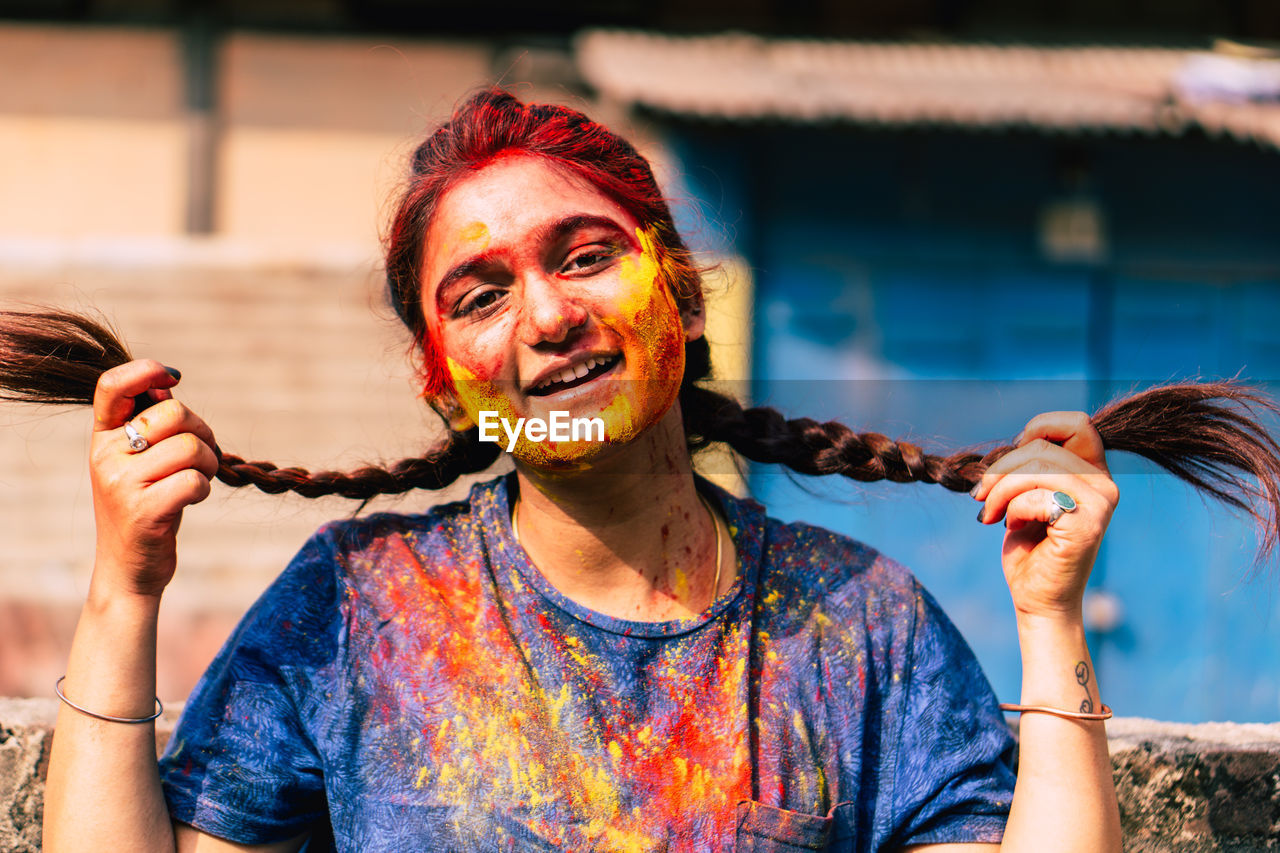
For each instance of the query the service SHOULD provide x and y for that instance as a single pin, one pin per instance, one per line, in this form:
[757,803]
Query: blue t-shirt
[412,682]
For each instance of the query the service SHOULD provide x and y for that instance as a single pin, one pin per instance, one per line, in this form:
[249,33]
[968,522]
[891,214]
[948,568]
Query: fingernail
[982,510]
[973,493]
[174,372]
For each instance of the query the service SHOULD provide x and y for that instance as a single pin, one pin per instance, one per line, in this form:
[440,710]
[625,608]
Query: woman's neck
[630,537]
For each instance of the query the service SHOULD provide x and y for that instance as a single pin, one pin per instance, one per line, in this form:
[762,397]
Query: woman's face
[546,296]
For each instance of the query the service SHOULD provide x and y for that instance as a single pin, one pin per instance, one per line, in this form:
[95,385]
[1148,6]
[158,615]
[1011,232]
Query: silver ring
[1063,503]
[137,441]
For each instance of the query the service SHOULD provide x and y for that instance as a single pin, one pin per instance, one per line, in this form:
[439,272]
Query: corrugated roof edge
[735,78]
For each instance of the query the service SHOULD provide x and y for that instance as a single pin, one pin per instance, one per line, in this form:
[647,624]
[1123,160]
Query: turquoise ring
[1062,504]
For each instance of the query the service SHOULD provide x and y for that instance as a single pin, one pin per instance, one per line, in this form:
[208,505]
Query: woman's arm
[1064,798]
[1064,795]
[103,790]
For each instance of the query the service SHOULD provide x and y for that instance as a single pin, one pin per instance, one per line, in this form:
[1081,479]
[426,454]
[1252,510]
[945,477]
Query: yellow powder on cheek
[642,273]
[478,395]
[649,322]
[619,419]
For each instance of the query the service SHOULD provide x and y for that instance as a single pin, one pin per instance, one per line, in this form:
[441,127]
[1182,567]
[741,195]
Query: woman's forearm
[1064,799]
[103,789]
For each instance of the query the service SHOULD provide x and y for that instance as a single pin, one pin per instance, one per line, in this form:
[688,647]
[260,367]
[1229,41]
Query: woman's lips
[575,376]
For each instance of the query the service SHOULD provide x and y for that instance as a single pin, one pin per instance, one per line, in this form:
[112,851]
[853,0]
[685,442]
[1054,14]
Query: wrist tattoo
[1082,678]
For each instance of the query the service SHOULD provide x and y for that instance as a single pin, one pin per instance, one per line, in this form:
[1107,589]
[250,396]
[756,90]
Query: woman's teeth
[573,372]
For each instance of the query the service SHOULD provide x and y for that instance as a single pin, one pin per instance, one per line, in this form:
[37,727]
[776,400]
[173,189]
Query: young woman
[600,651]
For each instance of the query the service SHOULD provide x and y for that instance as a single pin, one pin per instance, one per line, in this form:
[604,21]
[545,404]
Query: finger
[113,402]
[1037,456]
[1037,505]
[168,457]
[155,395]
[1072,430]
[181,489]
[168,418]
[1081,490]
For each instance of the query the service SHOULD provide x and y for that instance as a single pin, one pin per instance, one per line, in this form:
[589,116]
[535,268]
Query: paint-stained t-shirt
[412,682]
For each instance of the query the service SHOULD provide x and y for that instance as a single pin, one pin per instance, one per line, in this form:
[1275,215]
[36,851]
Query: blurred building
[949,239]
[934,240]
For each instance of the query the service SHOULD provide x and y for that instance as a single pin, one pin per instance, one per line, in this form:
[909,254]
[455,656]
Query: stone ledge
[26,733]
[1183,788]
[1211,786]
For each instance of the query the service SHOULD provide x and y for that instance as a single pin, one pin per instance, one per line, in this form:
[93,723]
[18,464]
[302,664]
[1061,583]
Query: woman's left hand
[1047,565]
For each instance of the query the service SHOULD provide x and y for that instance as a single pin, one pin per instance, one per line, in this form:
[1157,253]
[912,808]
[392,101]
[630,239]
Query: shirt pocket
[767,829]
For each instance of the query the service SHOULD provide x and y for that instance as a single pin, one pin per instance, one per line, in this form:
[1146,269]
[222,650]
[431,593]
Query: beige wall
[91,132]
[323,126]
[311,132]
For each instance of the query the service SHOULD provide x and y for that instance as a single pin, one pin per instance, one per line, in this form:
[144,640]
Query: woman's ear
[693,315]
[448,407]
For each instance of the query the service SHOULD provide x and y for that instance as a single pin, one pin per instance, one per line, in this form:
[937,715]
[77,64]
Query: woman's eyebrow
[562,228]
[470,266]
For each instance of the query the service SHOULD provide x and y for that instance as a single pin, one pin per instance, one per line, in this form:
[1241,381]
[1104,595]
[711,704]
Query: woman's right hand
[138,497]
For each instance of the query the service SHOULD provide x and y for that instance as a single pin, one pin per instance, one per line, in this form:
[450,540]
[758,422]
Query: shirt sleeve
[241,763]
[954,777]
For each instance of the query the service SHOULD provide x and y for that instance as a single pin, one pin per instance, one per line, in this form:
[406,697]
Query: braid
[1207,434]
[56,357]
[762,434]
[460,454]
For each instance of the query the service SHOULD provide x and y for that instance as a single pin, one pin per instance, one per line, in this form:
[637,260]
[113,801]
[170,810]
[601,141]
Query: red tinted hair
[494,122]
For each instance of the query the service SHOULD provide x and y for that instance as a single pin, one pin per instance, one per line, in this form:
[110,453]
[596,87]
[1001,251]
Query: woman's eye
[590,260]
[477,301]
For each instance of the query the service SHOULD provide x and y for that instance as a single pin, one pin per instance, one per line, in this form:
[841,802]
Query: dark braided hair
[1205,433]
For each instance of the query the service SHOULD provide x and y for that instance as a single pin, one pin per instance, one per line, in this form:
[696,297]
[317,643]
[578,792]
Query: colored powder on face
[647,321]
[478,395]
[436,366]
[476,232]
[470,239]
[643,273]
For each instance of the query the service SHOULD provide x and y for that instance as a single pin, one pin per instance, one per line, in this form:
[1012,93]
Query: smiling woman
[599,651]
[550,295]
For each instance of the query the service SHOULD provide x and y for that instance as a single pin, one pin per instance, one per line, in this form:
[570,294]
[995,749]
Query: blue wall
[901,287]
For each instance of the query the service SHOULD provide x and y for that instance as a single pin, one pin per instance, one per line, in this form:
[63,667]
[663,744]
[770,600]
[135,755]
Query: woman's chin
[595,437]
[553,458]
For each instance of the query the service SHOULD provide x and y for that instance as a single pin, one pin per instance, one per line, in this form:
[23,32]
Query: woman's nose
[549,312]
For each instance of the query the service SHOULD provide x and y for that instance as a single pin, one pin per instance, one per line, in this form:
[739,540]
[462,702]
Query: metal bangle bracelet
[1057,712]
[57,688]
